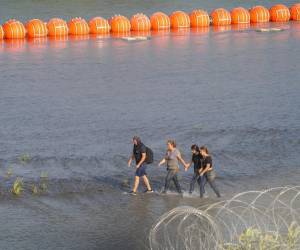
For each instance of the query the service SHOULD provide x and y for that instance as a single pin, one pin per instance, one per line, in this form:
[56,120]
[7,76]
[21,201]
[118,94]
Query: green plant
[44,175]
[17,186]
[34,189]
[269,241]
[9,173]
[293,236]
[43,186]
[249,238]
[44,181]
[24,159]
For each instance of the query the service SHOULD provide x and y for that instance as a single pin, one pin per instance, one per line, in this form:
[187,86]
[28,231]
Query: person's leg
[146,181]
[142,173]
[214,187]
[167,181]
[136,183]
[202,184]
[177,185]
[192,184]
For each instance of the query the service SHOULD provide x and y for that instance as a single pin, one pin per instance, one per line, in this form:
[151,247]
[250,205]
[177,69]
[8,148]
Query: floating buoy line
[124,28]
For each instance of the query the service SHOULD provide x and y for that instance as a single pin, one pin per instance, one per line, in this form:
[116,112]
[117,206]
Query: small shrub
[24,159]
[9,173]
[17,186]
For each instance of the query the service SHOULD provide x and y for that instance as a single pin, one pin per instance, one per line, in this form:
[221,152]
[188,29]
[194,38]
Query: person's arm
[142,160]
[181,160]
[206,168]
[163,161]
[187,166]
[130,160]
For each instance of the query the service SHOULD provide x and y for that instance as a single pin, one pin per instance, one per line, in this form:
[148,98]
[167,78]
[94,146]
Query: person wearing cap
[139,155]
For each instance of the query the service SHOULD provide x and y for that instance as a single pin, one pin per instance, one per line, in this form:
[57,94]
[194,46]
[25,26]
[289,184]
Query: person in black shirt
[139,154]
[207,173]
[197,161]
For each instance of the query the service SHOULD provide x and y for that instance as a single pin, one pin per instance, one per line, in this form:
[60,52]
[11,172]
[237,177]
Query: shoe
[132,193]
[148,191]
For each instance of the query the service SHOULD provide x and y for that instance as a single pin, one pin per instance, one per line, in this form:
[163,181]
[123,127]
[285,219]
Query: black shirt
[197,160]
[138,150]
[207,160]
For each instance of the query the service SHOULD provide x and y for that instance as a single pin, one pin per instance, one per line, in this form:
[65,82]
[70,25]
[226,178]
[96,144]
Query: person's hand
[137,166]
[129,164]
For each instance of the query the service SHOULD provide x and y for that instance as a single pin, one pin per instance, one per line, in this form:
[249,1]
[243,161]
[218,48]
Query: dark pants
[172,175]
[195,178]
[203,180]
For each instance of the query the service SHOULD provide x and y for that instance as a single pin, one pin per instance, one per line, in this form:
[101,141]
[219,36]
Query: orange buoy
[78,26]
[279,13]
[1,32]
[14,29]
[160,21]
[36,28]
[99,25]
[295,12]
[140,22]
[180,19]
[57,27]
[259,14]
[199,18]
[240,15]
[119,24]
[220,17]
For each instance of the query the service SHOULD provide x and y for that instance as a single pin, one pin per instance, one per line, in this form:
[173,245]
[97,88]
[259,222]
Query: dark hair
[137,139]
[204,149]
[195,147]
[172,142]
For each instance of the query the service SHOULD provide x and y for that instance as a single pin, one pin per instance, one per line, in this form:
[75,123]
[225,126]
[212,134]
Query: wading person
[197,161]
[172,159]
[207,173]
[139,154]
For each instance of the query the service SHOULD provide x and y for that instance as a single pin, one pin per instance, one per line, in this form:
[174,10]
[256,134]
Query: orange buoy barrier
[99,25]
[199,18]
[36,28]
[295,12]
[160,21]
[1,32]
[57,27]
[119,24]
[78,26]
[240,15]
[14,29]
[140,22]
[279,13]
[179,19]
[220,17]
[259,14]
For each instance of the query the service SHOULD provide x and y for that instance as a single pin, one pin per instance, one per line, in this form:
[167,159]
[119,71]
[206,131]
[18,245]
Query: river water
[70,108]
